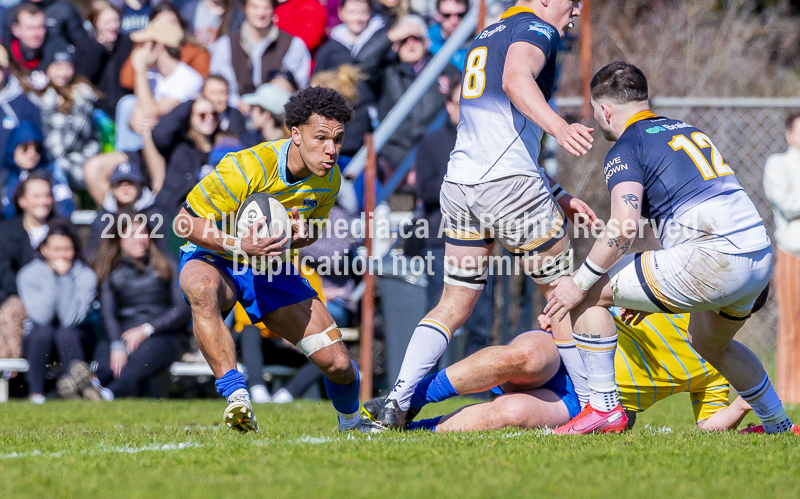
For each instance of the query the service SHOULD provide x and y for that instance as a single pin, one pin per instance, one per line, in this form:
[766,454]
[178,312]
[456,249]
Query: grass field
[169,449]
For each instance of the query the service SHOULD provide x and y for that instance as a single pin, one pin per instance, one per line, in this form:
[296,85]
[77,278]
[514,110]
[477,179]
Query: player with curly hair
[301,172]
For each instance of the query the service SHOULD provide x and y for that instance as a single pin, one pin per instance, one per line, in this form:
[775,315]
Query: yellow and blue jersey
[655,360]
[260,169]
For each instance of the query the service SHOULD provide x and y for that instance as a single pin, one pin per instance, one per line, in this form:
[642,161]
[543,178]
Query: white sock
[347,421]
[767,406]
[598,358]
[239,392]
[428,343]
[573,362]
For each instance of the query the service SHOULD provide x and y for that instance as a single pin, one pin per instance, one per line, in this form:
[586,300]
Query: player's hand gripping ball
[276,221]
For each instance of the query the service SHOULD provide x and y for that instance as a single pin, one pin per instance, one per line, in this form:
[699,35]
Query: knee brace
[316,342]
[468,278]
[553,268]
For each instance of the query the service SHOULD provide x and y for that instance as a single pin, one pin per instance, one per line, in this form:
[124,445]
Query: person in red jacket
[304,19]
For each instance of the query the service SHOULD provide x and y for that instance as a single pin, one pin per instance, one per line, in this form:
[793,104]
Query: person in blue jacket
[24,153]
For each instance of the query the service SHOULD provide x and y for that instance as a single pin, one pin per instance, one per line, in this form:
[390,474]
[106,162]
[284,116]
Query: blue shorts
[258,294]
[561,385]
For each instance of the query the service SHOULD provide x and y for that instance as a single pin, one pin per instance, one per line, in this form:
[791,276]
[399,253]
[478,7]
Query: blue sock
[229,383]
[434,388]
[424,424]
[344,397]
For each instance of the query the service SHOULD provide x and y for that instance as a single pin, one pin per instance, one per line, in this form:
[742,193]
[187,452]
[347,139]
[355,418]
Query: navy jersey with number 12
[494,139]
[690,193]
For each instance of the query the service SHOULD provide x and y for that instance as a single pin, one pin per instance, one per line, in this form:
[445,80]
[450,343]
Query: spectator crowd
[120,107]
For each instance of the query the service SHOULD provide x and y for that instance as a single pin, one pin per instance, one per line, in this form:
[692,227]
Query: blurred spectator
[103,54]
[67,103]
[283,78]
[15,106]
[392,10]
[167,133]
[304,19]
[142,306]
[409,41]
[136,14]
[98,170]
[29,43]
[449,14]
[176,82]
[207,20]
[192,52]
[185,164]
[266,115]
[24,156]
[349,81]
[347,39]
[424,8]
[21,237]
[247,57]
[433,154]
[127,194]
[782,189]
[64,22]
[57,291]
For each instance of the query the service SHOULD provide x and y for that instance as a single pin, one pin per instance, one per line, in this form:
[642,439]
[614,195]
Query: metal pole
[368,298]
[409,99]
[586,57]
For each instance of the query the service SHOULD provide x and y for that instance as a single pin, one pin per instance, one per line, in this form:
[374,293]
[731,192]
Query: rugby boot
[81,376]
[391,416]
[591,421]
[753,428]
[239,413]
[372,409]
[364,425]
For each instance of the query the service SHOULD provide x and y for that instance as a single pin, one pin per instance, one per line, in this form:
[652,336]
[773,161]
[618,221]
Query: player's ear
[296,136]
[607,112]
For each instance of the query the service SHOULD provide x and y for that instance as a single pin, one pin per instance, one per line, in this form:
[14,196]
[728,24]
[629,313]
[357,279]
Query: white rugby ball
[264,205]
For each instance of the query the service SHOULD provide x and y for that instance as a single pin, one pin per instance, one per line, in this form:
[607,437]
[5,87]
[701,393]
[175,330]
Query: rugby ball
[264,205]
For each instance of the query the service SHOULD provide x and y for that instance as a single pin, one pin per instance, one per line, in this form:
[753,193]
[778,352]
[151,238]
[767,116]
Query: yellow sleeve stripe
[260,163]
[246,182]
[210,202]
[225,186]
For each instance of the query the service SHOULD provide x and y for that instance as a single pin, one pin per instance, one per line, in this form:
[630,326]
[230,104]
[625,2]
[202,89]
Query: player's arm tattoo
[621,245]
[631,199]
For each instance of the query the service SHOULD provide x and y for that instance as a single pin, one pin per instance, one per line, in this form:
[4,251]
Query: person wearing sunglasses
[449,14]
[24,154]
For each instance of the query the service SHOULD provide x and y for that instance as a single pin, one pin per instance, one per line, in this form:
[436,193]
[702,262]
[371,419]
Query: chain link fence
[745,130]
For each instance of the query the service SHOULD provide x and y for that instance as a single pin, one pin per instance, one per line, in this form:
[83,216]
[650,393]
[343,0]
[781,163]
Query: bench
[273,372]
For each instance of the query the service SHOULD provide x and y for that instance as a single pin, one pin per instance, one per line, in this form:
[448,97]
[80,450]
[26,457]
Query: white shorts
[518,210]
[690,278]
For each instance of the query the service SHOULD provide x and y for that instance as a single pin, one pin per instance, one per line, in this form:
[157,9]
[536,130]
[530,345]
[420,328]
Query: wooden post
[586,57]
[368,298]
[481,17]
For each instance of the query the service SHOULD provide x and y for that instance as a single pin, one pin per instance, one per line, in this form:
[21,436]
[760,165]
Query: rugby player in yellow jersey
[302,173]
[653,361]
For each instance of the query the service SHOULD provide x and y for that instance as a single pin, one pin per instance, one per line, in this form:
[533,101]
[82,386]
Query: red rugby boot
[592,421]
[751,428]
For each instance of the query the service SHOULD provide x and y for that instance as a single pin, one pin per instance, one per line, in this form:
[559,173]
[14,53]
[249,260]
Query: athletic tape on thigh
[311,344]
[554,268]
[468,278]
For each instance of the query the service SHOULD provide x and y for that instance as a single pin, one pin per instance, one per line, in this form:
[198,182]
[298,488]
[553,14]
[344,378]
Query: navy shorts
[258,294]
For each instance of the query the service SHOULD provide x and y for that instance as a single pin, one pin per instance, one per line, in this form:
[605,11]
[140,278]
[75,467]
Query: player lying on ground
[494,188]
[302,173]
[716,256]
[654,360]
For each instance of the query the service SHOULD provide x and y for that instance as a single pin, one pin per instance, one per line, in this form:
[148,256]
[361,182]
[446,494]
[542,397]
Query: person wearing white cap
[266,115]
